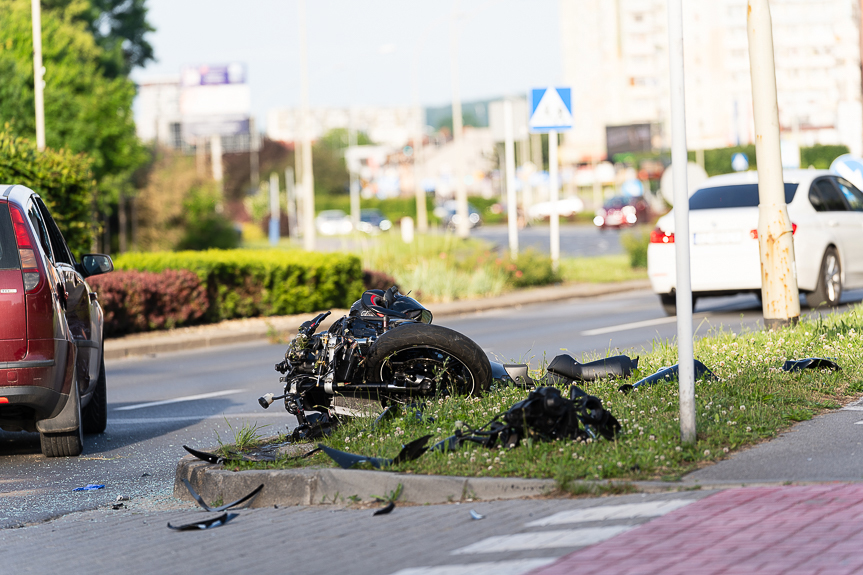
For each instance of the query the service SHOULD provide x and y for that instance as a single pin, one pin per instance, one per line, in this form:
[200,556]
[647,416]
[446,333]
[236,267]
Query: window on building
[176,136]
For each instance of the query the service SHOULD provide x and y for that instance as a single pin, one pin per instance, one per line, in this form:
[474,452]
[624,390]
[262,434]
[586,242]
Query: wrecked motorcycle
[385,350]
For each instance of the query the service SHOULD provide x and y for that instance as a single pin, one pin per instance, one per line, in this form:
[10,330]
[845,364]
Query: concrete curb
[256,329]
[311,486]
[317,486]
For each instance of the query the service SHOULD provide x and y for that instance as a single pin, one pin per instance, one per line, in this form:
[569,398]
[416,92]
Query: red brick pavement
[810,530]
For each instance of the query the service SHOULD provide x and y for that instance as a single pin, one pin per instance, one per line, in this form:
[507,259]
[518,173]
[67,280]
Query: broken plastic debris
[89,487]
[384,510]
[123,498]
[116,506]
[669,374]
[615,366]
[347,460]
[204,456]
[810,363]
[476,516]
[206,507]
[511,374]
[206,524]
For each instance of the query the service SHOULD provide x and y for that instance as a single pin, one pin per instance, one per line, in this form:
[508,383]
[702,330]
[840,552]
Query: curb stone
[256,329]
[317,486]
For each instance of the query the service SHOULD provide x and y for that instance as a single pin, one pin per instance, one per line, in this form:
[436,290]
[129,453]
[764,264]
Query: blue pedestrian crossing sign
[550,109]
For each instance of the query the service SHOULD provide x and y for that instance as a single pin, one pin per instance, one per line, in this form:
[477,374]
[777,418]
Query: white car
[826,212]
[564,207]
[333,223]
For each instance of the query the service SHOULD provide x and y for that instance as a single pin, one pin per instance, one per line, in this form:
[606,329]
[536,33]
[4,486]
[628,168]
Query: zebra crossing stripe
[543,540]
[606,512]
[512,567]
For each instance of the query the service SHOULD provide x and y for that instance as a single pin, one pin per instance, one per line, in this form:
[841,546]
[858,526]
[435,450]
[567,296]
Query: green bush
[249,283]
[62,179]
[820,157]
[204,227]
[531,268]
[635,243]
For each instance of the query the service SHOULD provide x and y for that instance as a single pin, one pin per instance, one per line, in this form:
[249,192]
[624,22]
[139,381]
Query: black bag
[545,413]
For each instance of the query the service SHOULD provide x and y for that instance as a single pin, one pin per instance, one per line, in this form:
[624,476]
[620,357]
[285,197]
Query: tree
[85,111]
[118,26]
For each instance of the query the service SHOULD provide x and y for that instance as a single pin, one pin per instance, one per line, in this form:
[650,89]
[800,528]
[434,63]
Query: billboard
[631,138]
[214,100]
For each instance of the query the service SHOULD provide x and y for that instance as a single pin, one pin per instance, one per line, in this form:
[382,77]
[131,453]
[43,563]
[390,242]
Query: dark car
[621,212]
[373,221]
[449,216]
[52,370]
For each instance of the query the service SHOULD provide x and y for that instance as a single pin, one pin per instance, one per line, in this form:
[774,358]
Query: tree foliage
[85,110]
[62,179]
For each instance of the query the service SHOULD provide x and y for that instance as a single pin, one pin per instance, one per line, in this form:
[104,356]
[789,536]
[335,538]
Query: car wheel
[829,288]
[94,417]
[669,303]
[68,443]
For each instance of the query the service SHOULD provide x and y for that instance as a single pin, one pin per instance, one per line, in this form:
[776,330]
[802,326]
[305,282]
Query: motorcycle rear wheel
[456,363]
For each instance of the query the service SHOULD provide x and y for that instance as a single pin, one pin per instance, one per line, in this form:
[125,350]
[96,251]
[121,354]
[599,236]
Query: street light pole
[308,190]
[38,73]
[685,357]
[462,229]
[779,294]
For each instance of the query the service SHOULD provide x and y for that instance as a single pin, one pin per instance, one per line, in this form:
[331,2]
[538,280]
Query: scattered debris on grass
[205,524]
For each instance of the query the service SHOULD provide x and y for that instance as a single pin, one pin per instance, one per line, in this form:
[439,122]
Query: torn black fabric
[810,363]
[616,366]
[206,524]
[667,374]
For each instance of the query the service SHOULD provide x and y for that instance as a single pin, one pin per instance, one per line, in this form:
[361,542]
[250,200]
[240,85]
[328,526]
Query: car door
[83,313]
[834,215]
[854,223]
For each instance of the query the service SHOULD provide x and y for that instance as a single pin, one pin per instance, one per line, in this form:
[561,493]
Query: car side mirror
[95,264]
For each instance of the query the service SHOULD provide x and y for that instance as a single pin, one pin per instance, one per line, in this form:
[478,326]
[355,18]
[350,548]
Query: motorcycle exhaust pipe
[268,399]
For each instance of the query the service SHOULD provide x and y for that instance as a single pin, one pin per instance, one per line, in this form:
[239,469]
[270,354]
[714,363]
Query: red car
[52,373]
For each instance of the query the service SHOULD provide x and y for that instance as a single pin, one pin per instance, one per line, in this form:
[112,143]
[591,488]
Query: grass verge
[752,401]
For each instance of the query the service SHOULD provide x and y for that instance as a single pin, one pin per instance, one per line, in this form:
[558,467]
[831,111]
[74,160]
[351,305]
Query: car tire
[829,288]
[669,303]
[94,416]
[65,444]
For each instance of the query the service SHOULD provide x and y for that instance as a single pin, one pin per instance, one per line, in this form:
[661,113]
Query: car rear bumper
[23,405]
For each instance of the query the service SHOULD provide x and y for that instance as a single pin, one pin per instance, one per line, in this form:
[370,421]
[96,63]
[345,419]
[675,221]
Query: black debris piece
[476,516]
[123,498]
[317,425]
[595,418]
[116,506]
[667,374]
[206,524]
[247,498]
[385,510]
[204,456]
[409,452]
[810,363]
[145,475]
[515,374]
[566,366]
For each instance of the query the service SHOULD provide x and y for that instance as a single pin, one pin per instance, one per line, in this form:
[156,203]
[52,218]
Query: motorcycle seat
[374,300]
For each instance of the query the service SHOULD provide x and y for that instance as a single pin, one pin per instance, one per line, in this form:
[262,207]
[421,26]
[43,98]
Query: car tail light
[657,236]
[754,233]
[26,251]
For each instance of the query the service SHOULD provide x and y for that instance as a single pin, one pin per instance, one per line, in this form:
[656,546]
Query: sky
[361,52]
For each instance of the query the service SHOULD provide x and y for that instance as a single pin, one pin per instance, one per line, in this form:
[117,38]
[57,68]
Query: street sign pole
[779,295]
[291,196]
[308,189]
[685,357]
[554,218]
[511,202]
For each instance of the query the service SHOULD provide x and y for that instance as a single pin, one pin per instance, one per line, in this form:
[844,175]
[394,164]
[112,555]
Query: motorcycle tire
[428,350]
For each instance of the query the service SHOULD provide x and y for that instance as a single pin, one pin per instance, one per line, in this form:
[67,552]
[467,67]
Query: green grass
[752,401]
[600,269]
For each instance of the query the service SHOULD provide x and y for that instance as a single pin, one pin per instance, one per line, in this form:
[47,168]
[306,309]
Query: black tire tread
[422,335]
[818,297]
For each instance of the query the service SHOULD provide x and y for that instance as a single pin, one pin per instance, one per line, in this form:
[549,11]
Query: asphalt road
[159,403]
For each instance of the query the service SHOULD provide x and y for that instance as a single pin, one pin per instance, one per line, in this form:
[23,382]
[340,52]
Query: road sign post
[512,203]
[550,112]
[685,357]
[275,212]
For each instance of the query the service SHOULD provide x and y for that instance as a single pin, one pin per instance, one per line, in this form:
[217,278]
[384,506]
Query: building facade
[615,58]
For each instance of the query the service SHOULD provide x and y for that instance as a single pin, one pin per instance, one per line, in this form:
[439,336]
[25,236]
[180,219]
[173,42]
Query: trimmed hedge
[136,301]
[249,283]
[62,179]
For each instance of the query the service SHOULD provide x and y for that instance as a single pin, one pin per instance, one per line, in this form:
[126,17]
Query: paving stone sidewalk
[809,530]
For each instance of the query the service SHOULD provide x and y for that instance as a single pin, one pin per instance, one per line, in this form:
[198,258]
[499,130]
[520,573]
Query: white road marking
[854,406]
[543,540]
[858,423]
[514,567]
[179,399]
[605,512]
[181,418]
[628,326]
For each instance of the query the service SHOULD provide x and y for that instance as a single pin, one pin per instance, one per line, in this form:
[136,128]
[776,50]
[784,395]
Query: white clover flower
[706,452]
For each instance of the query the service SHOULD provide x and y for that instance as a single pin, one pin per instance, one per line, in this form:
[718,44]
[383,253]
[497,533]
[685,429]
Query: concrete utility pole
[461,212]
[38,74]
[511,201]
[685,358]
[290,192]
[254,159]
[308,177]
[275,211]
[355,182]
[216,158]
[779,295]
